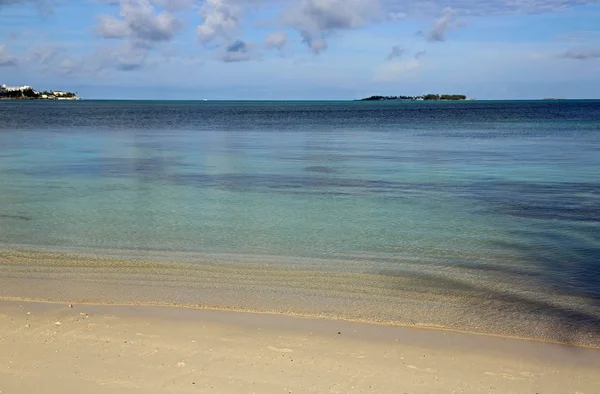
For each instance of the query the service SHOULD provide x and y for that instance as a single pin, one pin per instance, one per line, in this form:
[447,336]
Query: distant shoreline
[426,97]
[469,100]
[29,93]
[42,99]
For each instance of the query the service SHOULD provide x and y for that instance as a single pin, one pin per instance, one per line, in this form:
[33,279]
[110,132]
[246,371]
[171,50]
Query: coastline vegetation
[28,93]
[426,97]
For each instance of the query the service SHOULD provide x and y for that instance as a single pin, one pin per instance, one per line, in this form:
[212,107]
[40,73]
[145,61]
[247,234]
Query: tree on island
[382,98]
[430,96]
[29,93]
[453,97]
[444,97]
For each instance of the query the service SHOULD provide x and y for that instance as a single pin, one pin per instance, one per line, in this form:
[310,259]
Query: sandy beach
[73,323]
[60,348]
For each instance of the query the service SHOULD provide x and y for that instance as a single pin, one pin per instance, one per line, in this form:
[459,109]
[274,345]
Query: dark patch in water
[20,217]
[561,236]
[316,185]
[543,201]
[153,167]
[320,169]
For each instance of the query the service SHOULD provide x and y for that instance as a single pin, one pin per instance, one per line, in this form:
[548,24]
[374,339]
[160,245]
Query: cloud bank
[136,28]
[581,54]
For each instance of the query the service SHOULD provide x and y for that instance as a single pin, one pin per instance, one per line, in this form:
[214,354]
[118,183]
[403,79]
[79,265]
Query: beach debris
[181,364]
[29,313]
[70,305]
[57,323]
[27,325]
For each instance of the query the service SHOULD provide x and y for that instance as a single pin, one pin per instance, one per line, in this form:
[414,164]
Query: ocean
[490,204]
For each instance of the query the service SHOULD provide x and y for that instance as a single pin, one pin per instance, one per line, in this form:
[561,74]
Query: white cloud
[111,27]
[276,40]
[394,70]
[139,20]
[442,25]
[316,19]
[221,20]
[143,24]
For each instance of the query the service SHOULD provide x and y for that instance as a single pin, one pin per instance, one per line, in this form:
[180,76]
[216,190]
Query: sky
[302,49]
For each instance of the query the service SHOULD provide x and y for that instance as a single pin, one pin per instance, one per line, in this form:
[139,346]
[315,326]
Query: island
[427,97]
[29,93]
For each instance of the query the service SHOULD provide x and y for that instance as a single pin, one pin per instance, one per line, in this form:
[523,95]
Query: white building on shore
[5,88]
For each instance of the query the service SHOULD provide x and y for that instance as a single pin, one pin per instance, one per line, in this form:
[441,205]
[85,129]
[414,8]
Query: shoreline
[39,99]
[316,318]
[57,348]
[401,299]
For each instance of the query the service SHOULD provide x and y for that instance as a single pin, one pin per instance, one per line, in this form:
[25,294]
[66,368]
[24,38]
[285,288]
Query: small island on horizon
[29,93]
[426,97]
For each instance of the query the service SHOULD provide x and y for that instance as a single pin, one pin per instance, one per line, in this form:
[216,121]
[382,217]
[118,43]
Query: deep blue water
[506,187]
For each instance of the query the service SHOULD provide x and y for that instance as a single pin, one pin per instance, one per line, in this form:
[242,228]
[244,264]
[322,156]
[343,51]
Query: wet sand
[445,299]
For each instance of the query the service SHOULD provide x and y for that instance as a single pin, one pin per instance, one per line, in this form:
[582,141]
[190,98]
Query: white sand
[51,348]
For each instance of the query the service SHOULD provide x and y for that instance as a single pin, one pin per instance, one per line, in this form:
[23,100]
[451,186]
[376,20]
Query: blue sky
[302,49]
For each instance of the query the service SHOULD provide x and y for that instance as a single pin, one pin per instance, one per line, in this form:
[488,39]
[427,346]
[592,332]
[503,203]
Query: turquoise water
[506,187]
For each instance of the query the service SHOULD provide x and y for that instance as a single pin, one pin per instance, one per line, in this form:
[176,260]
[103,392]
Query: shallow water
[507,192]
